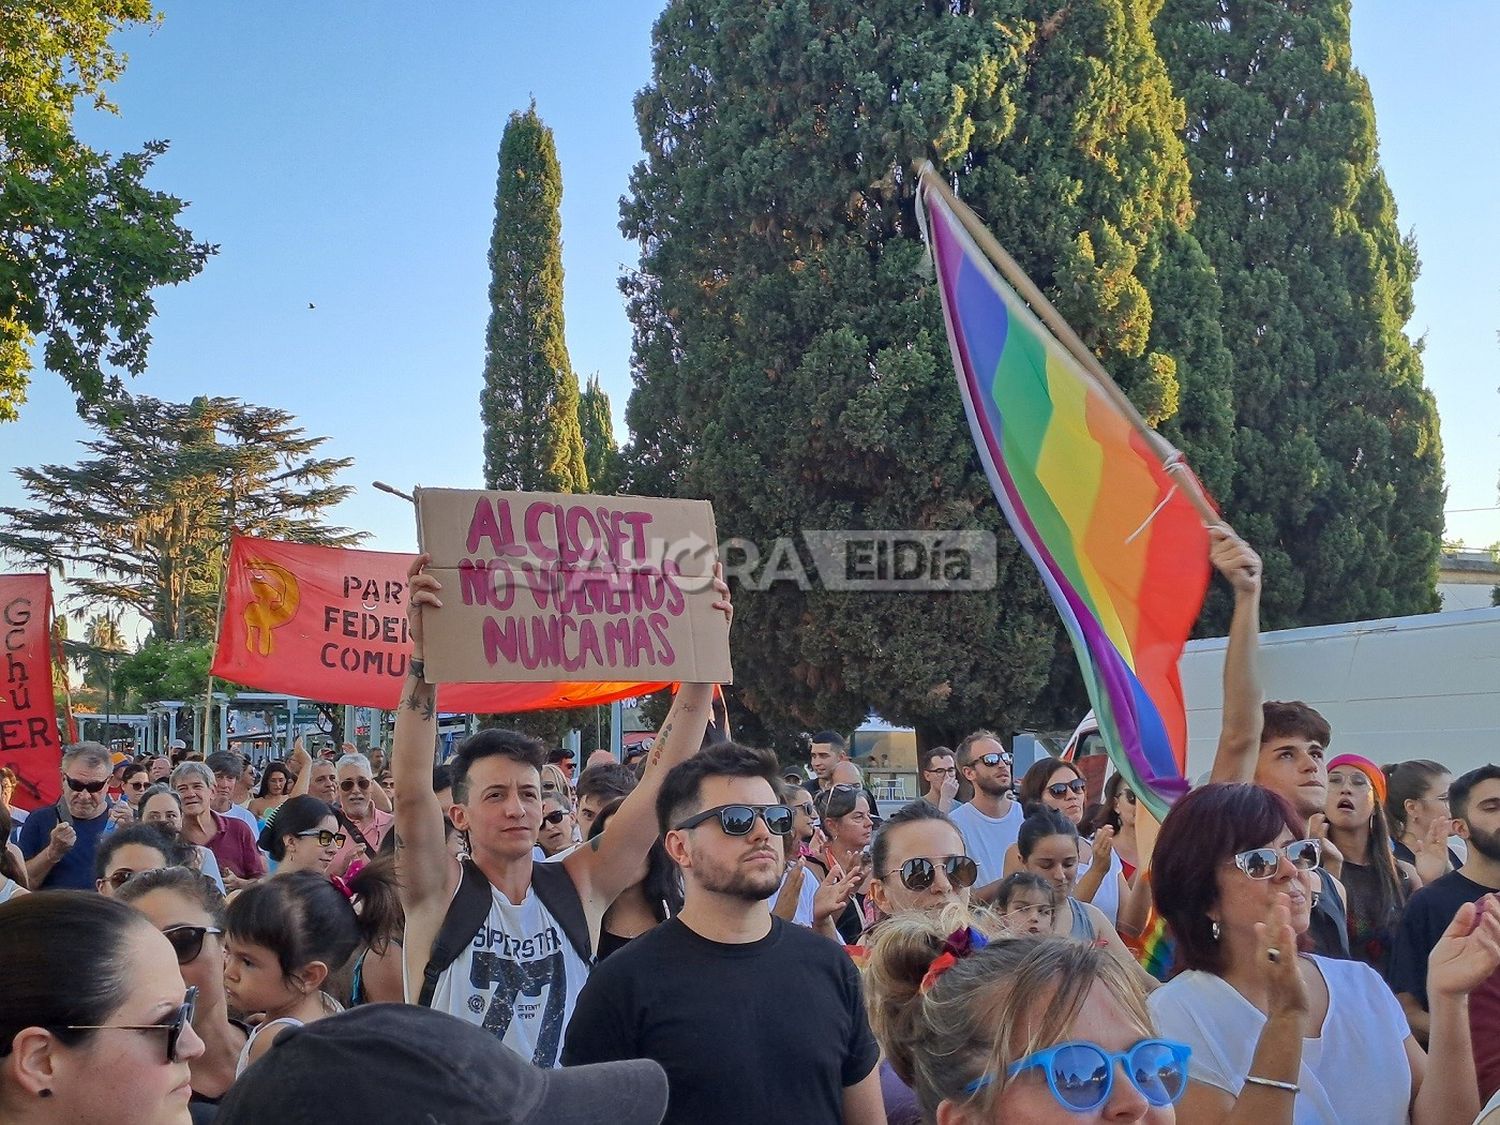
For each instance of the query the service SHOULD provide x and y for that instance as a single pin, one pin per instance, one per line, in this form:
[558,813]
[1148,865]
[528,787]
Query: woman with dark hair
[1283,1037]
[1376,883]
[1034,1030]
[640,906]
[275,784]
[302,834]
[190,913]
[845,815]
[918,861]
[95,1023]
[1416,801]
[1052,783]
[290,934]
[1048,844]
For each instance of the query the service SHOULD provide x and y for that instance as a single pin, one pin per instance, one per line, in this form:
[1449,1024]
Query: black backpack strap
[555,887]
[466,913]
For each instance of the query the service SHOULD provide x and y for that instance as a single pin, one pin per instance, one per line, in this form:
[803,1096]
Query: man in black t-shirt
[1475,801]
[704,994]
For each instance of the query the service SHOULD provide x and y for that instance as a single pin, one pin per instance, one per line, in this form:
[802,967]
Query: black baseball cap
[401,1064]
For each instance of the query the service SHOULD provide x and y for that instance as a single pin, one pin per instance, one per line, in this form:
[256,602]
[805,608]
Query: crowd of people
[699,934]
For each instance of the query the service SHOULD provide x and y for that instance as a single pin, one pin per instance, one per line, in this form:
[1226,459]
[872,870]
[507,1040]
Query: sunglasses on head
[739,820]
[85,786]
[554,817]
[1263,863]
[348,784]
[325,837]
[1081,1075]
[993,760]
[838,801]
[187,941]
[920,873]
[173,1025]
[1063,788]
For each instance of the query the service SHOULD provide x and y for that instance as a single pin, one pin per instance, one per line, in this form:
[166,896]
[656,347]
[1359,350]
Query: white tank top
[519,979]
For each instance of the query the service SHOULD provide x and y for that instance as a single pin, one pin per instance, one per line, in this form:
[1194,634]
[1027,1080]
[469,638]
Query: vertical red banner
[28,716]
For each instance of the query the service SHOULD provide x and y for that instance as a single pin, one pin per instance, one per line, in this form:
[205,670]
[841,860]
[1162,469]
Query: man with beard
[693,992]
[991,821]
[1475,802]
[60,840]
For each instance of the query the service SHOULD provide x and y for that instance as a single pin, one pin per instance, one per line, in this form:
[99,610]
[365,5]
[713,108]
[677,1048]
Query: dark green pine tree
[600,454]
[530,397]
[790,359]
[1339,477]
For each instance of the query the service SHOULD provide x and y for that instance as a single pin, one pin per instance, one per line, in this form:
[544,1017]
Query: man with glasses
[356,786]
[59,841]
[940,778]
[990,822]
[693,992]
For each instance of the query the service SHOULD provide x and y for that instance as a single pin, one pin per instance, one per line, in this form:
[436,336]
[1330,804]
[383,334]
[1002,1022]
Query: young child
[289,934]
[1026,904]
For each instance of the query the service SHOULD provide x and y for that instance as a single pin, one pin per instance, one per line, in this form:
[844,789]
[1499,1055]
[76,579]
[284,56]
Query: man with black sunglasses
[370,823]
[990,822]
[693,993]
[59,841]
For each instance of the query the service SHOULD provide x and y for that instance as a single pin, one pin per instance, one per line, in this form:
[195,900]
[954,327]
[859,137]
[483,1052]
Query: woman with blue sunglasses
[1282,1038]
[1041,1030]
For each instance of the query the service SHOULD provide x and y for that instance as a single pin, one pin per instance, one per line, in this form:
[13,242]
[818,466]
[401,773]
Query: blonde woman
[1042,1030]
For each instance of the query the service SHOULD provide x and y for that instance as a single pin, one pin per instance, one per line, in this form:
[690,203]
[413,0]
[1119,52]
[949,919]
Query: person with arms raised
[517,963]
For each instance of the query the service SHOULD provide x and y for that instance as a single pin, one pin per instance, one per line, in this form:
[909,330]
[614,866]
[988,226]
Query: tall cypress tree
[600,455]
[530,397]
[1339,477]
[790,361]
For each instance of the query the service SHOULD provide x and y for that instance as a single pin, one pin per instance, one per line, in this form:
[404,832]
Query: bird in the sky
[311,305]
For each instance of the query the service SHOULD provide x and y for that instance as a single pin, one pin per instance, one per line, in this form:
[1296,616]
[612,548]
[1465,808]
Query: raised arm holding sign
[509,953]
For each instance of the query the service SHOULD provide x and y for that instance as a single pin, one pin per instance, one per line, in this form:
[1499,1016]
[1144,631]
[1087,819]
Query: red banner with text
[329,624]
[29,742]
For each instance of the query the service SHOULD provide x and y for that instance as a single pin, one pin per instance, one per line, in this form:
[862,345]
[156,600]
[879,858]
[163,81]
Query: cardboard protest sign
[541,586]
[29,742]
[329,623]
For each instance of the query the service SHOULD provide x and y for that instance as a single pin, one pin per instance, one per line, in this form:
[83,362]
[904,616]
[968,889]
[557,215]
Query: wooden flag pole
[1171,457]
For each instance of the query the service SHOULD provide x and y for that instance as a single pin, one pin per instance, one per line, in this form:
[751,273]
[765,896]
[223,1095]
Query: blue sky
[344,155]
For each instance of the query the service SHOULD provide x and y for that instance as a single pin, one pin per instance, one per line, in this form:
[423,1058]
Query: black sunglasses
[918,874]
[554,817]
[325,837]
[172,1026]
[348,784]
[1062,788]
[85,786]
[187,941]
[993,760]
[738,820]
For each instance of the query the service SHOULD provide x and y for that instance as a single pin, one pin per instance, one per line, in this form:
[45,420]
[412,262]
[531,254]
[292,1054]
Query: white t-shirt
[988,838]
[805,895]
[1354,1070]
[519,979]
[1107,897]
[245,817]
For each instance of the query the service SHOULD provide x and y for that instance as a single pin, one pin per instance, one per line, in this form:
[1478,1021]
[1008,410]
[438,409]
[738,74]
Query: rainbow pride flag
[1119,546]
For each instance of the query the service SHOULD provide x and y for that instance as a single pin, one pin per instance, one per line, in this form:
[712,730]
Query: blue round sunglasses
[1081,1075]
